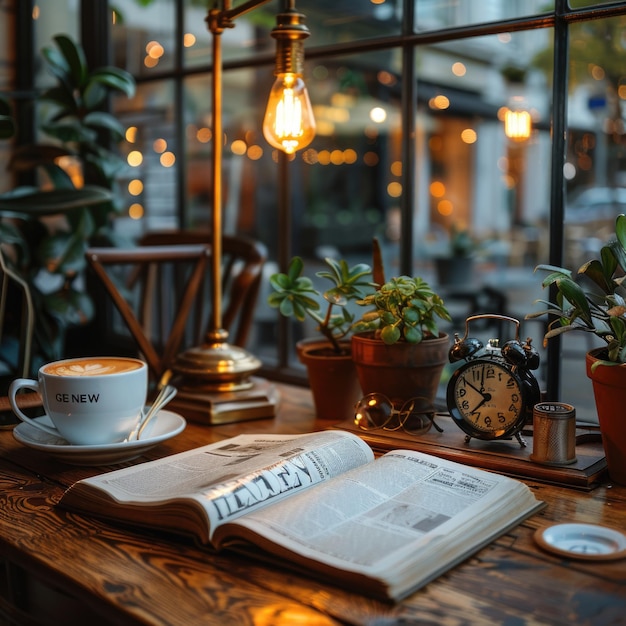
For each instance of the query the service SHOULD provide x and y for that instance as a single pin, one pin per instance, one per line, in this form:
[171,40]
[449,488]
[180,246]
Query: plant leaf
[295,268]
[75,59]
[106,121]
[53,202]
[573,292]
[115,78]
[595,271]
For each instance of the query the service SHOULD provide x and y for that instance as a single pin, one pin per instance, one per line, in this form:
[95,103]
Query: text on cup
[78,398]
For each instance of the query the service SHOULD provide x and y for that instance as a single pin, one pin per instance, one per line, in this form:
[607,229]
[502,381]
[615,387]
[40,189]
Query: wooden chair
[161,289]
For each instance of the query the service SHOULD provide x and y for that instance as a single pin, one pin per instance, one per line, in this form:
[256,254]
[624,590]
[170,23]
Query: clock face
[486,400]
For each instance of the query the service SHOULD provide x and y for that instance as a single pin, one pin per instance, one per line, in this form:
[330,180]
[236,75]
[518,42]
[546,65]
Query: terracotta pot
[454,271]
[401,370]
[609,390]
[332,378]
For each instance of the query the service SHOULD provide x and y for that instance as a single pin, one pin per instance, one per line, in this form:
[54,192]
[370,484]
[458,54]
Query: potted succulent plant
[594,301]
[455,266]
[331,372]
[397,347]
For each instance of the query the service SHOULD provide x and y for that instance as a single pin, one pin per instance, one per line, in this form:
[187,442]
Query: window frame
[95,37]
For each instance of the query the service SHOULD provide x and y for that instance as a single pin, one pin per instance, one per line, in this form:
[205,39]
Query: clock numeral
[501,418]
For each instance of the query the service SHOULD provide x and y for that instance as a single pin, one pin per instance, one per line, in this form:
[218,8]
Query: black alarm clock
[492,395]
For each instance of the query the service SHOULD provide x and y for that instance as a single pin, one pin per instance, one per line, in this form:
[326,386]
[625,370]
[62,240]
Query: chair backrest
[161,288]
[242,271]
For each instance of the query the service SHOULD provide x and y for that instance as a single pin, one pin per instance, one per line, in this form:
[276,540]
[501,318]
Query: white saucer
[163,426]
[589,542]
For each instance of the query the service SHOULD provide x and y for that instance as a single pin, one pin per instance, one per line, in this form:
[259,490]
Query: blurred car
[590,222]
[596,204]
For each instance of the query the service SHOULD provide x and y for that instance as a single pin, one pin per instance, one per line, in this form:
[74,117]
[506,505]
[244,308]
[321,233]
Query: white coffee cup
[91,401]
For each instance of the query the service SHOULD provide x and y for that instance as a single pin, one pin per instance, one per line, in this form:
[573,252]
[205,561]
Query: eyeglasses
[375,410]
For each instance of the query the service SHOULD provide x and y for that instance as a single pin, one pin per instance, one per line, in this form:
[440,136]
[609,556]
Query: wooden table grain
[61,567]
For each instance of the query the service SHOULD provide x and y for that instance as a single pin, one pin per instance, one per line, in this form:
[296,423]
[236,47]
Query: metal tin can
[554,433]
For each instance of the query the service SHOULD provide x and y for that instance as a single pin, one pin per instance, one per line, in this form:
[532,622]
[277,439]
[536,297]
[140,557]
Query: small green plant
[406,309]
[295,296]
[462,244]
[595,301]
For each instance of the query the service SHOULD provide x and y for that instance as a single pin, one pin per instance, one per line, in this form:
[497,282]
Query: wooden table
[63,568]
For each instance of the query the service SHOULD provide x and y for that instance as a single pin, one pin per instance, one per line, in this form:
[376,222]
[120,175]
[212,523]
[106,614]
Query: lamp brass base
[218,365]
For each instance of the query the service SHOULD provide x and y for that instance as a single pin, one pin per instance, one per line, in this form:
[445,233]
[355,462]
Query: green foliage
[594,300]
[462,244]
[295,296]
[78,124]
[52,261]
[406,309]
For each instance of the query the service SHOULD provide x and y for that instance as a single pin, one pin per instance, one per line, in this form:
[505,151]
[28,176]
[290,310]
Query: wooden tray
[506,457]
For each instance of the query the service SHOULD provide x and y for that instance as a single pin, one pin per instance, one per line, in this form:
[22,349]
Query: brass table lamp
[289,125]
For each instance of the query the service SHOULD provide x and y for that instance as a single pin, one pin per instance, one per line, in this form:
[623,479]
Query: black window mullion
[408,113]
[24,81]
[557,190]
[95,36]
[179,122]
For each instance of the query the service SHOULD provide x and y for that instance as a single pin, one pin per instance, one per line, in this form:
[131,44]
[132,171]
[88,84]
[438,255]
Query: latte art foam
[91,367]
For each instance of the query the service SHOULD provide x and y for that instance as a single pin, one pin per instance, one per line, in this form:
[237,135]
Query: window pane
[329,22]
[144,36]
[148,185]
[595,169]
[51,19]
[338,21]
[482,190]
[249,169]
[436,14]
[577,4]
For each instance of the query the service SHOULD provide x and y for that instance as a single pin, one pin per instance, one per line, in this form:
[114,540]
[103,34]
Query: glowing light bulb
[289,124]
[517,125]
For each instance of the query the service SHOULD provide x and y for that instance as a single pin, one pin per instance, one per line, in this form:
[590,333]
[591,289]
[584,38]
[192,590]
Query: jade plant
[295,296]
[405,308]
[593,300]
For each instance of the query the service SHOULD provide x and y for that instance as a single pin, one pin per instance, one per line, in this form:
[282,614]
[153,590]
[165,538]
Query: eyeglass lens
[375,410]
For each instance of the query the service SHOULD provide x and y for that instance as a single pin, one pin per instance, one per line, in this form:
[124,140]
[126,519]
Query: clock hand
[486,398]
[467,382]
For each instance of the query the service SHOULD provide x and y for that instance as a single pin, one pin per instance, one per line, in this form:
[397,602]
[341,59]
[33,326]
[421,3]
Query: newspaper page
[372,519]
[240,474]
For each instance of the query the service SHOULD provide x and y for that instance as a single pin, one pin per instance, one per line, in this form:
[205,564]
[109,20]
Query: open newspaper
[318,502]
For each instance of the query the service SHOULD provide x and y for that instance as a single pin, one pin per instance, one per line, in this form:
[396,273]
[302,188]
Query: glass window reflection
[480,156]
[148,183]
[144,36]
[438,14]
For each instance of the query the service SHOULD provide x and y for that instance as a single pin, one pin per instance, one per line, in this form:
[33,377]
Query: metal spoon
[164,396]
